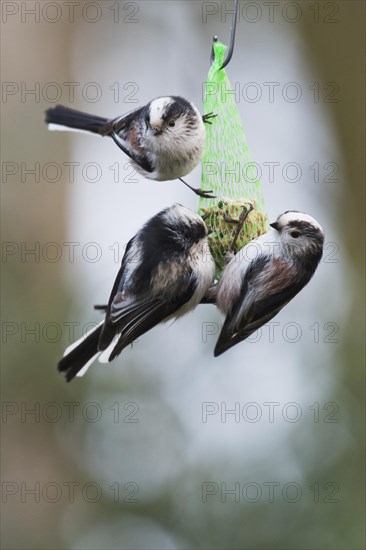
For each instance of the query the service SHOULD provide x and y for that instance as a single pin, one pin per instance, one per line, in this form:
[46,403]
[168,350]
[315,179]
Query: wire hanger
[232,39]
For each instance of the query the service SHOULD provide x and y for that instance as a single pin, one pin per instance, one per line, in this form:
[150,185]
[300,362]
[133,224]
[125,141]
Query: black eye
[171,122]
[295,234]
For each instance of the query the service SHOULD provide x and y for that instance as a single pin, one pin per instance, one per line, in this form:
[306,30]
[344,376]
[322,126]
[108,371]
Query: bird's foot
[243,216]
[199,192]
[204,194]
[230,220]
[207,118]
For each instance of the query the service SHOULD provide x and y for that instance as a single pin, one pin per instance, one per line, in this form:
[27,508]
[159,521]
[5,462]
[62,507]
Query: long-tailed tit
[265,275]
[166,270]
[165,139]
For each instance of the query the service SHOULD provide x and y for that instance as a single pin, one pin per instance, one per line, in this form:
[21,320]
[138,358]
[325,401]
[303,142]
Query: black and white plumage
[166,270]
[165,139]
[265,275]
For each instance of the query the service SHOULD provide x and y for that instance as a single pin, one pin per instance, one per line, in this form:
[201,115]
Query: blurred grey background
[167,447]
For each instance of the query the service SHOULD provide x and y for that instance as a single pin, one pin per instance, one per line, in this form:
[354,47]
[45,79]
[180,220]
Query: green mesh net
[227,169]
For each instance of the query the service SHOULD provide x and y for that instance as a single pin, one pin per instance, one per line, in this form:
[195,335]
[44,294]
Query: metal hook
[232,39]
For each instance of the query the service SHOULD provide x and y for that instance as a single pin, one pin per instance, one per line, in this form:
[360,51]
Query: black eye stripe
[305,228]
[301,225]
[179,107]
[297,224]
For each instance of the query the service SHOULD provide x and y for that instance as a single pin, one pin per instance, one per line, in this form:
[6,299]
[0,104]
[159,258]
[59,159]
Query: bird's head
[172,116]
[299,233]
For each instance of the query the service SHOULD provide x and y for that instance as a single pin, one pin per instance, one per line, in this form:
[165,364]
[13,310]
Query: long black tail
[64,116]
[74,361]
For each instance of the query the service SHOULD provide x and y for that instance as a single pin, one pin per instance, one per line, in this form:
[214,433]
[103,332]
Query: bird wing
[122,123]
[269,284]
[131,315]
[109,330]
[124,131]
[139,317]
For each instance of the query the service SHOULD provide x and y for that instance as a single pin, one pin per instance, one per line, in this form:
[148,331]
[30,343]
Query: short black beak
[157,131]
[275,225]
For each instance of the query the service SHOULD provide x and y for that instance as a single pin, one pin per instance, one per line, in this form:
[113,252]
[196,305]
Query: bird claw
[199,192]
[206,118]
[242,218]
[230,220]
[204,194]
